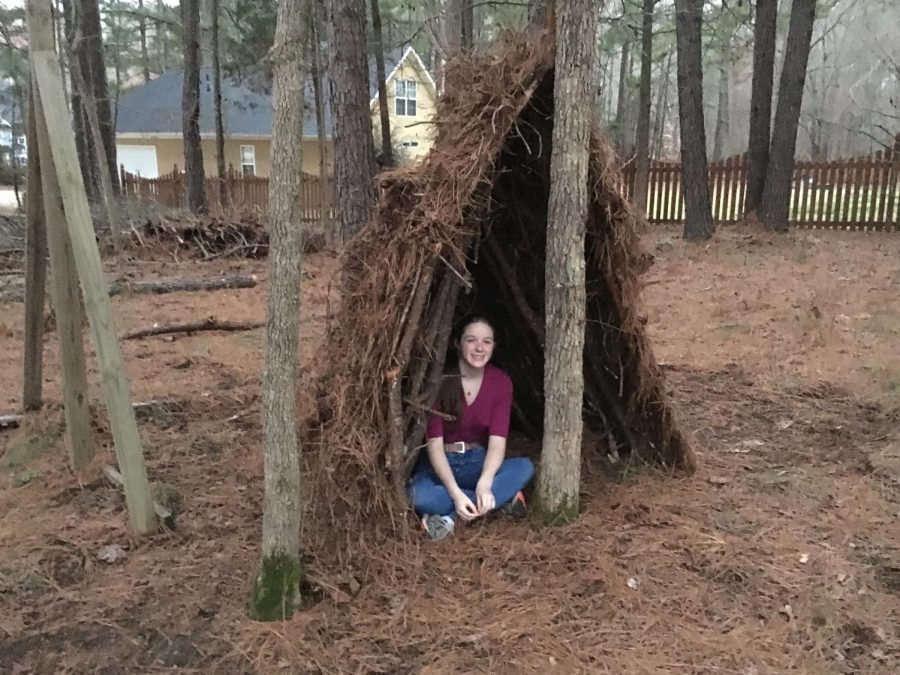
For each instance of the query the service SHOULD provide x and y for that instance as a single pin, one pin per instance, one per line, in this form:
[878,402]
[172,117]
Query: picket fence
[862,193]
[241,192]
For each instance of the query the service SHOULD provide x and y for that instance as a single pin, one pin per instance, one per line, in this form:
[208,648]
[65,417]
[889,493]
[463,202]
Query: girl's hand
[485,497]
[464,506]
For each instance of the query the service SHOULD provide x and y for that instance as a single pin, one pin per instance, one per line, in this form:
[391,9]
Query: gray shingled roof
[155,107]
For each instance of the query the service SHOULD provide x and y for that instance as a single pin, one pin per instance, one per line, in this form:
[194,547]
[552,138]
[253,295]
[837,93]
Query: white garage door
[138,159]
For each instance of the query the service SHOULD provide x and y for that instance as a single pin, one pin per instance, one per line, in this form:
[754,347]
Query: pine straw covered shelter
[467,230]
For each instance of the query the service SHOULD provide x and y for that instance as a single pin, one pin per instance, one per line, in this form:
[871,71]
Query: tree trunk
[205,37]
[453,25]
[83,147]
[662,106]
[35,271]
[387,152]
[698,223]
[642,150]
[107,189]
[760,100]
[142,28]
[354,149]
[277,584]
[538,11]
[722,122]
[622,99]
[15,106]
[573,96]
[190,108]
[779,171]
[217,103]
[118,72]
[95,80]
[467,24]
[318,17]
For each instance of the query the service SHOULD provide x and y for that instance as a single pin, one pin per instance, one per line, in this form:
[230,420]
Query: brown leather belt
[459,447]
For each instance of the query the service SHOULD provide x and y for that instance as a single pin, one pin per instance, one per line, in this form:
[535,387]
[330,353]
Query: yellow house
[149,132]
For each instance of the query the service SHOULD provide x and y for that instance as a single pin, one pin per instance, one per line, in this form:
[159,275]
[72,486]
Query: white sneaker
[437,526]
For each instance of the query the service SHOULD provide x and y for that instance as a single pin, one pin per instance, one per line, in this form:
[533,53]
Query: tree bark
[217,103]
[86,157]
[190,108]
[319,45]
[722,122]
[761,100]
[15,106]
[277,584]
[205,36]
[107,189]
[453,24]
[698,223]
[642,150]
[387,152]
[467,24]
[35,272]
[573,96]
[142,29]
[622,99]
[662,106]
[779,171]
[354,149]
[538,12]
[95,79]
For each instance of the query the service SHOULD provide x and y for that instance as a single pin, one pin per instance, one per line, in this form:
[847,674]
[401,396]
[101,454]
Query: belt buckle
[461,445]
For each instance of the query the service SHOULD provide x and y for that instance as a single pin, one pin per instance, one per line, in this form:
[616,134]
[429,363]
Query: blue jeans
[428,494]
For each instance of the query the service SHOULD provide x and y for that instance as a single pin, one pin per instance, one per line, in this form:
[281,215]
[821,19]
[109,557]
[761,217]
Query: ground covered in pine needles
[781,554]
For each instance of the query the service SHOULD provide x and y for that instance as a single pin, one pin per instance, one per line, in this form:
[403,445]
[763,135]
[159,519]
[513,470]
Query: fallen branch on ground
[196,327]
[142,409]
[162,286]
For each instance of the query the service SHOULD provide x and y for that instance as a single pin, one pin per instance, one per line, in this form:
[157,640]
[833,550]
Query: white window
[248,160]
[139,160]
[405,97]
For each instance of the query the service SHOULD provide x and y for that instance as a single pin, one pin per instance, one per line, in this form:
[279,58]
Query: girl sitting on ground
[465,472]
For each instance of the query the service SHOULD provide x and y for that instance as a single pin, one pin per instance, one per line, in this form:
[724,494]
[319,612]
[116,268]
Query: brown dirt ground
[781,555]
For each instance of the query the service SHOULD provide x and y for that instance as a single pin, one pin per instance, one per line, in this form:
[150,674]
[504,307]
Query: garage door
[138,159]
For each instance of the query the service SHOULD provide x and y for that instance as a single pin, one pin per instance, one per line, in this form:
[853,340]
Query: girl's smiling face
[476,345]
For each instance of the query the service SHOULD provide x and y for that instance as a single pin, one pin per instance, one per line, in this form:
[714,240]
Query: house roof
[155,107]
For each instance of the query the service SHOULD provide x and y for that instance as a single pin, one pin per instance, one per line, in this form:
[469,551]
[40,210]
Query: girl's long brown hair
[451,395]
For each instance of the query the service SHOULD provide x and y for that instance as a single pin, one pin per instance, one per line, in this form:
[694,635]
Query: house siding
[409,128]
[169,153]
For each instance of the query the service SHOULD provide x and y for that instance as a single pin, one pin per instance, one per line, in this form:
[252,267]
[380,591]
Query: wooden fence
[859,194]
[241,192]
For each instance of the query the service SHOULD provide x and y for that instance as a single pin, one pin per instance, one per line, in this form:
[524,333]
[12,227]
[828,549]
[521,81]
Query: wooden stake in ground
[66,302]
[277,585]
[35,273]
[51,102]
[560,475]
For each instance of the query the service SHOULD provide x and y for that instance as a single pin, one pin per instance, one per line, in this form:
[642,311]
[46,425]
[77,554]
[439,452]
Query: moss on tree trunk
[561,512]
[276,589]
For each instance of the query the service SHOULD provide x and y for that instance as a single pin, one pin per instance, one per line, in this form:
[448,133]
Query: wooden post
[35,272]
[66,303]
[52,104]
[122,179]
